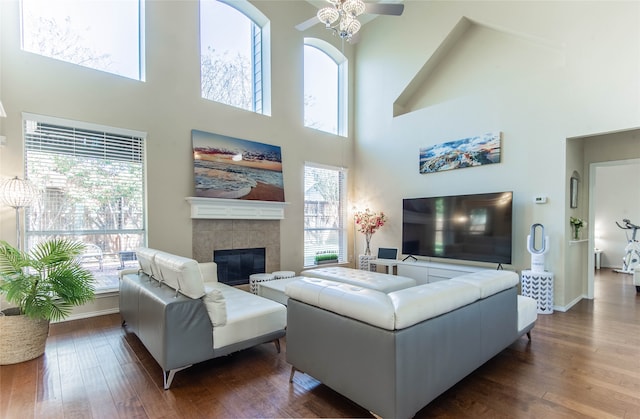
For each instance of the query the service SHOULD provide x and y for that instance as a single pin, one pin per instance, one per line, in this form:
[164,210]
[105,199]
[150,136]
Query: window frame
[113,145]
[342,64]
[141,67]
[261,85]
[342,215]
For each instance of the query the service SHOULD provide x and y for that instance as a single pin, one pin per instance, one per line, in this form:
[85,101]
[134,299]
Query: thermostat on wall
[540,199]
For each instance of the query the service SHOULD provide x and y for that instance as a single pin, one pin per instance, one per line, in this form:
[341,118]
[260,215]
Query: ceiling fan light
[328,15]
[349,25]
[353,7]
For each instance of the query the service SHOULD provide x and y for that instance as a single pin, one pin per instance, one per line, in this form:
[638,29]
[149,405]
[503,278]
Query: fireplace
[235,265]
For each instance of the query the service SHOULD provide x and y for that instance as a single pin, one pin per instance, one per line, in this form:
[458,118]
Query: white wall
[585,80]
[168,106]
[592,88]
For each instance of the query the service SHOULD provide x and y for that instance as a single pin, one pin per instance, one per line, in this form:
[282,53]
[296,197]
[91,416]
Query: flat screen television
[467,227]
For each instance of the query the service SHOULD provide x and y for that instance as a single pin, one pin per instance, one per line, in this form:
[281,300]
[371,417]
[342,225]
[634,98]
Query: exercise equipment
[631,257]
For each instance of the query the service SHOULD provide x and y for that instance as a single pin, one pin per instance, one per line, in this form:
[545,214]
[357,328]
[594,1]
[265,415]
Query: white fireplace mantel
[235,209]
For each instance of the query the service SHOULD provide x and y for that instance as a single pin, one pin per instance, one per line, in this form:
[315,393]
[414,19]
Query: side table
[364,261]
[255,279]
[390,264]
[539,286]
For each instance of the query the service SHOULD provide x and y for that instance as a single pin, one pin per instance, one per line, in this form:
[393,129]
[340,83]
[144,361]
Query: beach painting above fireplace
[232,168]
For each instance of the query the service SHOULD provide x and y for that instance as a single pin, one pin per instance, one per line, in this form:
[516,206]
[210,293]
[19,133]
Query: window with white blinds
[91,185]
[324,212]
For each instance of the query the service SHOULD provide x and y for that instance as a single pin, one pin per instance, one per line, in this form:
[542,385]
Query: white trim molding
[235,209]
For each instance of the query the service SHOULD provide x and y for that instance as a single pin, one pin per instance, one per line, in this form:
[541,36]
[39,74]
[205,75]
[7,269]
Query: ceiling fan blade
[393,9]
[307,24]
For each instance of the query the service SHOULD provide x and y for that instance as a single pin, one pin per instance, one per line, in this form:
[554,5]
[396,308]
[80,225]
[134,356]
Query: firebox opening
[236,265]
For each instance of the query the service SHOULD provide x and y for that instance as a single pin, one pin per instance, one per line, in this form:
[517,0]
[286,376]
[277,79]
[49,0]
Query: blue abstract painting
[466,152]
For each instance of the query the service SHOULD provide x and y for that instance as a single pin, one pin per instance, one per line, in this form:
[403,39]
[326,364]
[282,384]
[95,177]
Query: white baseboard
[87,314]
[571,304]
[103,304]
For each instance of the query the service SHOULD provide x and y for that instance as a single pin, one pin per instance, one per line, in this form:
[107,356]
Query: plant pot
[326,261]
[21,338]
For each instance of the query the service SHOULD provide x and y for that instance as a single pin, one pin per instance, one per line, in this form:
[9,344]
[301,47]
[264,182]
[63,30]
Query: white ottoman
[274,290]
[283,274]
[255,279]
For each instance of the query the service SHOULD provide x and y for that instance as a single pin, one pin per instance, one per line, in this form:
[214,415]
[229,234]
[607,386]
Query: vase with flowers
[369,222]
[576,224]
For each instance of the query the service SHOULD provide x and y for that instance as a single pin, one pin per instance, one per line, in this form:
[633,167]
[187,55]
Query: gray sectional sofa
[393,353]
[184,316]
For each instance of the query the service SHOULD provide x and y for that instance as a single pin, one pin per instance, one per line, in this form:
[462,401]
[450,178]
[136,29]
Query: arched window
[325,87]
[234,54]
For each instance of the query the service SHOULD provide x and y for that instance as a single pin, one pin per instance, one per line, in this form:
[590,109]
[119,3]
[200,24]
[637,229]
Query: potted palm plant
[43,284]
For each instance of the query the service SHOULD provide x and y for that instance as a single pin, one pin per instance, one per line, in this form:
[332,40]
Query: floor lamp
[17,193]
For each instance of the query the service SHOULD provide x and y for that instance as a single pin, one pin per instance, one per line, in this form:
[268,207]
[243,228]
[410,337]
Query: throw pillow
[216,307]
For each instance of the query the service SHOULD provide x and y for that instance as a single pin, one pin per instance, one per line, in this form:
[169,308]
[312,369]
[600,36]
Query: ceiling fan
[341,16]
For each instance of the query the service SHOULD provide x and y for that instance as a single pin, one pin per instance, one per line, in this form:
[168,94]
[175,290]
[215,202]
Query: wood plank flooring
[582,363]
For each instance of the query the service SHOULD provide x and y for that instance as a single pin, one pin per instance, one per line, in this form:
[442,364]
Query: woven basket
[21,338]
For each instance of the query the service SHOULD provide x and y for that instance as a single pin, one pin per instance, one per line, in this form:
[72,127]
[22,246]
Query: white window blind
[90,181]
[324,212]
[256,53]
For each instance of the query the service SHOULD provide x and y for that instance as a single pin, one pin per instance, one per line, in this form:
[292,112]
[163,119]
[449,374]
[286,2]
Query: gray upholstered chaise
[183,320]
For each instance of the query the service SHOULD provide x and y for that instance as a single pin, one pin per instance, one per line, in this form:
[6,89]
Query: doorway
[613,195]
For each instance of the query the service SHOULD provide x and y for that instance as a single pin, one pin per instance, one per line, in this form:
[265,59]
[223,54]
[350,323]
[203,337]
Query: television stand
[410,256]
[426,272]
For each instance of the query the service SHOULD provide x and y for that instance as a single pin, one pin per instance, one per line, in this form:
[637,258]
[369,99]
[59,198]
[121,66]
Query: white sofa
[183,315]
[392,353]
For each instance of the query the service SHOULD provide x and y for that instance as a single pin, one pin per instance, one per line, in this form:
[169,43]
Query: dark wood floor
[582,363]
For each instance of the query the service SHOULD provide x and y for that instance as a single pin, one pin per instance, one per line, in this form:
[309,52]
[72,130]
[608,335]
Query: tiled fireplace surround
[223,224]
[210,235]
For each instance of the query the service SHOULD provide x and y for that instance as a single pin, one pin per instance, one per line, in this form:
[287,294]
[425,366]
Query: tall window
[324,212]
[325,87]
[91,189]
[234,54]
[103,35]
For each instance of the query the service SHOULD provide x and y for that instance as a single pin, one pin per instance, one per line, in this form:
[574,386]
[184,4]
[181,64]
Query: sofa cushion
[527,312]
[414,305]
[208,271]
[180,273]
[216,306]
[367,305]
[275,290]
[248,316]
[366,279]
[146,259]
[489,282]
